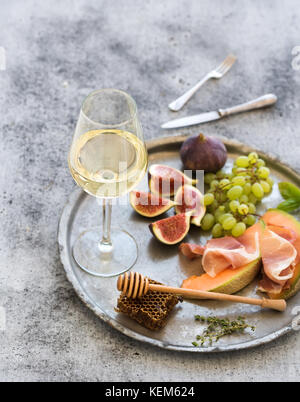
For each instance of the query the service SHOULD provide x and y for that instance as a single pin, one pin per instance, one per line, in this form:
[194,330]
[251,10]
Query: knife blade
[192,120]
[262,101]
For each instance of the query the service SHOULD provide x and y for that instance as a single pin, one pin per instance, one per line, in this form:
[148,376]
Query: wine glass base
[105,260]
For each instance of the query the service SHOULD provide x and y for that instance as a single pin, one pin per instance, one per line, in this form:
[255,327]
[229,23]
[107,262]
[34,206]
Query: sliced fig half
[149,205]
[171,230]
[165,180]
[190,199]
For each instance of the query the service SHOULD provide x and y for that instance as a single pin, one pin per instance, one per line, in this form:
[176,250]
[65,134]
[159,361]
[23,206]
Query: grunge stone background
[56,53]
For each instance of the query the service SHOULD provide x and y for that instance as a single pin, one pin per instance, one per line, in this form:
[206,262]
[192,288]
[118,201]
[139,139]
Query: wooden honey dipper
[135,285]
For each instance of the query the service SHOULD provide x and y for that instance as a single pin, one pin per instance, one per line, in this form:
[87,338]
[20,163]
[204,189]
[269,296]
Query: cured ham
[191,251]
[286,233]
[278,257]
[226,252]
[229,252]
[283,223]
[268,286]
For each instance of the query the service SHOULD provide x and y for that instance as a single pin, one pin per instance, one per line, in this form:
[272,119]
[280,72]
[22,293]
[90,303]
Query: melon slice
[283,220]
[229,281]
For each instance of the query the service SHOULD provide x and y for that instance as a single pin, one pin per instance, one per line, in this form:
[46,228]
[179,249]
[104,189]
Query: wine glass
[108,157]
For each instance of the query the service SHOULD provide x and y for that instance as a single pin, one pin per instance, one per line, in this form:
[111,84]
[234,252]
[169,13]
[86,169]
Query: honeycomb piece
[151,310]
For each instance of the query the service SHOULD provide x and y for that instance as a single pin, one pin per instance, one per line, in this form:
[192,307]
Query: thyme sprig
[217,328]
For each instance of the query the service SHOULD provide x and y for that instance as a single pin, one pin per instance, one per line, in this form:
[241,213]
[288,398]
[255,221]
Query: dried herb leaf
[217,328]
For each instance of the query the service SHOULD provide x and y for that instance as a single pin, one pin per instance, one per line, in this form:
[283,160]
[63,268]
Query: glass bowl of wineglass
[107,159]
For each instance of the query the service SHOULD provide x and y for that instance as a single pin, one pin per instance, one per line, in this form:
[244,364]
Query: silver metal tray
[163,263]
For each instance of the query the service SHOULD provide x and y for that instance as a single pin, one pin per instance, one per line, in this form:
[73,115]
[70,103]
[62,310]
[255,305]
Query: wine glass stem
[107,207]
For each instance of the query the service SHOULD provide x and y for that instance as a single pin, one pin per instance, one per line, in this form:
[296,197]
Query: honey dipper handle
[279,305]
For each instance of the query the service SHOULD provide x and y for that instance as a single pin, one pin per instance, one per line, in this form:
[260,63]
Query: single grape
[241,172]
[219,217]
[260,163]
[217,230]
[235,192]
[244,199]
[226,205]
[220,174]
[253,157]
[249,220]
[233,205]
[223,217]
[252,198]
[239,181]
[225,184]
[207,222]
[229,223]
[252,208]
[270,181]
[214,205]
[265,186]
[208,199]
[214,184]
[263,172]
[238,229]
[243,209]
[223,197]
[220,211]
[234,170]
[209,177]
[247,189]
[242,161]
[257,190]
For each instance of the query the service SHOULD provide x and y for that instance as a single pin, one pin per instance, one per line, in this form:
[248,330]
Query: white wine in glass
[108,157]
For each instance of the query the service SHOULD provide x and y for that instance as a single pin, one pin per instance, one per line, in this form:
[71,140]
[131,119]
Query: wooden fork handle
[279,305]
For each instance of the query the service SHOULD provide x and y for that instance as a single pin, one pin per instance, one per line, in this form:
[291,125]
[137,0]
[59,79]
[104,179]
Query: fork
[218,73]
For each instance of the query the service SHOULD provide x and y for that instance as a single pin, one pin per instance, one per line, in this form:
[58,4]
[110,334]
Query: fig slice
[189,198]
[165,180]
[171,230]
[149,205]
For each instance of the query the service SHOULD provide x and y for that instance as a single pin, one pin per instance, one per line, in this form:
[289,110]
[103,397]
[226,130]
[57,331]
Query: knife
[263,101]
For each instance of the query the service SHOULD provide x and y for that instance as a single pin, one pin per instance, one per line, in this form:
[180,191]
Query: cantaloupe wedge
[229,281]
[277,217]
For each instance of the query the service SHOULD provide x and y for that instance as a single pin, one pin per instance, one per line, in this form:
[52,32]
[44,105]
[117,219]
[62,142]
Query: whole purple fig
[203,153]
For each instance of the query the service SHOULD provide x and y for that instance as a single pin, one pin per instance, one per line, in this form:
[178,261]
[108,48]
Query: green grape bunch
[232,197]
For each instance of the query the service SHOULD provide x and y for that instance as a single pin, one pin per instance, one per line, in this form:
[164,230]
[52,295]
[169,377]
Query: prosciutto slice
[226,252]
[268,286]
[278,257]
[229,252]
[286,233]
[191,251]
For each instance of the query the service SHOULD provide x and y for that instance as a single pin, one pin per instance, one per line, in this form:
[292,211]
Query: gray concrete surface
[56,53]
